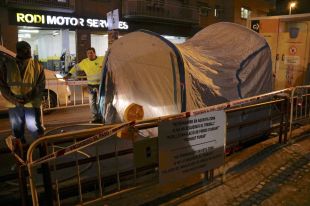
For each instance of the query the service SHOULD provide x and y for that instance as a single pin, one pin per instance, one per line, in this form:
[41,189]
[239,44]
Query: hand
[29,96]
[67,77]
[19,102]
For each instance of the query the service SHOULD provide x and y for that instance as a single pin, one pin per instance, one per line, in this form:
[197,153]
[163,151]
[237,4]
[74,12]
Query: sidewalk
[272,175]
[265,174]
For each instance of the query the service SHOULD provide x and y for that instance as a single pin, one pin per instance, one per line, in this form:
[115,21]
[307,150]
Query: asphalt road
[65,120]
[55,119]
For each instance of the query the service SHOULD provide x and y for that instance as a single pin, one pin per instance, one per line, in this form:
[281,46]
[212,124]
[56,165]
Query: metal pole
[42,117]
[56,179]
[47,180]
[99,172]
[117,167]
[34,195]
[78,176]
[282,111]
[22,177]
[287,111]
[291,112]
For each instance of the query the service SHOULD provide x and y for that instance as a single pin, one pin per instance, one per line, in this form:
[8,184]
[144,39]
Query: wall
[211,19]
[258,8]
[82,43]
[8,32]
[232,10]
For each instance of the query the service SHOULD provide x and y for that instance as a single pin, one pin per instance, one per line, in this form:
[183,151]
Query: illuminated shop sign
[60,20]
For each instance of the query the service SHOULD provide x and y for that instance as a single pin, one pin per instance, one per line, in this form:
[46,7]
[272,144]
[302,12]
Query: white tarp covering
[223,62]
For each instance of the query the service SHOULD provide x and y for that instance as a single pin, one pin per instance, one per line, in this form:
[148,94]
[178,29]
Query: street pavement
[52,120]
[269,175]
[56,119]
[265,174]
[59,121]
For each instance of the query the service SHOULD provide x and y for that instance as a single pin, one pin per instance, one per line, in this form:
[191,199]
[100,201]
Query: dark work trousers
[19,116]
[93,91]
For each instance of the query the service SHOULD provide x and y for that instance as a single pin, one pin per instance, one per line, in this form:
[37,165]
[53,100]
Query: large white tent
[223,62]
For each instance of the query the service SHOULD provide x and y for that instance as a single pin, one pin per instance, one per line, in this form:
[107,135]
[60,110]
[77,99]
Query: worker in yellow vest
[22,83]
[92,66]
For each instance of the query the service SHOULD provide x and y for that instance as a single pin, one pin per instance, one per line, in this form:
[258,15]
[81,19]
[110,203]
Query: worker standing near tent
[22,83]
[92,66]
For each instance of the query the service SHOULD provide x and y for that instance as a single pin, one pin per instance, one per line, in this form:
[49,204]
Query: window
[218,11]
[204,11]
[245,13]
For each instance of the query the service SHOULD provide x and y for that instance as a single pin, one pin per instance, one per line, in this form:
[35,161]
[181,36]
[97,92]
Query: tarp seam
[180,64]
[101,101]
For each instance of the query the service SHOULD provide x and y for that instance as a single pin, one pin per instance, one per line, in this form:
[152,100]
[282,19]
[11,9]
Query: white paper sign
[113,19]
[292,60]
[191,145]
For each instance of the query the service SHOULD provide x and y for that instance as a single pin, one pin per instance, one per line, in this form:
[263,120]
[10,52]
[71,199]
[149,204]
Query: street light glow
[292,5]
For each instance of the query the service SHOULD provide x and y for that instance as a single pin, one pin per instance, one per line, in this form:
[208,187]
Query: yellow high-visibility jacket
[92,69]
[21,86]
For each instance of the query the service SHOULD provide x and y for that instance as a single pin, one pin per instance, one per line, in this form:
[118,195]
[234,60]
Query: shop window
[245,13]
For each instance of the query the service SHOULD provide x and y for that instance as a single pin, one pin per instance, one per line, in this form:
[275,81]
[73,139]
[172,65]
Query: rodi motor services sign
[53,19]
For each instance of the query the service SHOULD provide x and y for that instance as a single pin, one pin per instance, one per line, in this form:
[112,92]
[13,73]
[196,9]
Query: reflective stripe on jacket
[21,86]
[92,69]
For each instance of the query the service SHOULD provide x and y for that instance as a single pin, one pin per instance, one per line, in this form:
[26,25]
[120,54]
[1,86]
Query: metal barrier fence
[61,94]
[300,106]
[283,109]
[100,164]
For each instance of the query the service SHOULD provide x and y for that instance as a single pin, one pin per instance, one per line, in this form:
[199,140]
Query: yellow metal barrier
[85,140]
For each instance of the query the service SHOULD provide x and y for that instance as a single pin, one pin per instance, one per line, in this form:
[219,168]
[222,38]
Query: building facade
[212,11]
[58,28]
[283,7]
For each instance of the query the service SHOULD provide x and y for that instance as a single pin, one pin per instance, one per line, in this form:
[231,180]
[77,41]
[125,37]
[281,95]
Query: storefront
[49,46]
[58,40]
[53,36]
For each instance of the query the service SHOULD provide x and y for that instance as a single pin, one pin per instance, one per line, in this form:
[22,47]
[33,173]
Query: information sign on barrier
[191,145]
